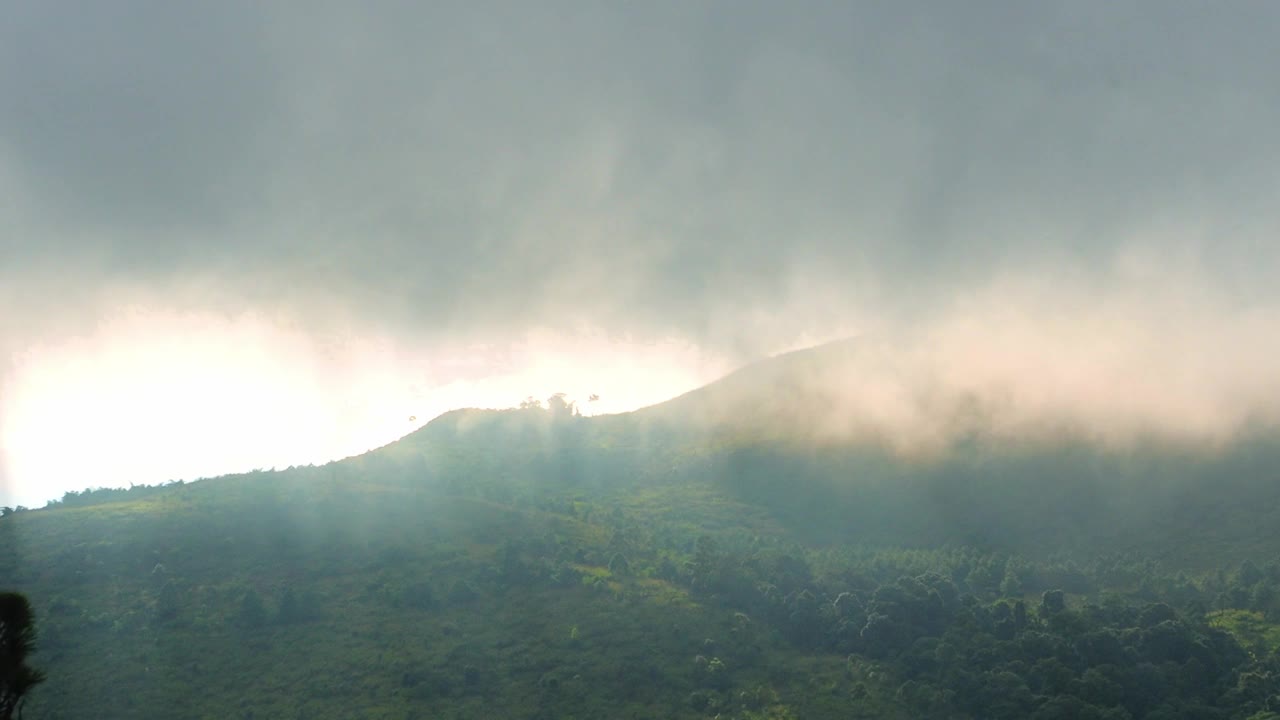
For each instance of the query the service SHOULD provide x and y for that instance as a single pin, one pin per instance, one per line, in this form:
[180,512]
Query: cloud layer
[738,176]
[1118,362]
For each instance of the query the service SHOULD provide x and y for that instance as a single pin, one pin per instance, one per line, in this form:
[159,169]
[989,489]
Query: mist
[1136,358]
[1035,220]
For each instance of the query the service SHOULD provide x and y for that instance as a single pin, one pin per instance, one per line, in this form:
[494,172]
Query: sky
[241,234]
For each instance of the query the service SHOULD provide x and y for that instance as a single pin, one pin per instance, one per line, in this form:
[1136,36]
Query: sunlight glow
[154,396]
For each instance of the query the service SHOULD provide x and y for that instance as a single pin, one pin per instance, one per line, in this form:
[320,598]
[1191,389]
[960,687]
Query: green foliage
[618,565]
[296,607]
[534,563]
[253,613]
[17,641]
[1250,628]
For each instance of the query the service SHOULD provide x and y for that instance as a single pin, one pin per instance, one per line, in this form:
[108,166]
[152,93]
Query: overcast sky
[371,203]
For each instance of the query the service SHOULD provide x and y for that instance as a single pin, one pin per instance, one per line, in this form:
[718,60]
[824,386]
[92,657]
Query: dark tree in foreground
[17,640]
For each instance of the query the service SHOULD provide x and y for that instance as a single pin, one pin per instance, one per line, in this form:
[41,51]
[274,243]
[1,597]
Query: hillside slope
[687,560]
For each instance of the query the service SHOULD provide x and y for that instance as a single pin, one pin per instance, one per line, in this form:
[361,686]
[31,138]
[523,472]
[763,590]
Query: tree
[253,613]
[561,407]
[1053,602]
[17,640]
[289,609]
[1248,575]
[168,601]
[618,564]
[1011,586]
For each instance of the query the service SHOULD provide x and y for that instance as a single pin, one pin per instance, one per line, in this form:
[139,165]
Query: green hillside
[692,560]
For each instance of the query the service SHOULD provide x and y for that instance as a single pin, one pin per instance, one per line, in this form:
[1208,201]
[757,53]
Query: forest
[533,563]
[640,360]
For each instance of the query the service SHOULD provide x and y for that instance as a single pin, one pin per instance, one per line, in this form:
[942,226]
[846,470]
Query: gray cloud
[668,155]
[745,175]
[139,118]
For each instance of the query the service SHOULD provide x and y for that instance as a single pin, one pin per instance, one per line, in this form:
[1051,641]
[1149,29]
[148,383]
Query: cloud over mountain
[1072,198]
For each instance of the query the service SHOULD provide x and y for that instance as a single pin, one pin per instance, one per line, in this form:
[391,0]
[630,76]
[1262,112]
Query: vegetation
[17,641]
[533,563]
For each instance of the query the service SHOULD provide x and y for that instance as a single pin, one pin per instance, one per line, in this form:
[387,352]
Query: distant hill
[725,553]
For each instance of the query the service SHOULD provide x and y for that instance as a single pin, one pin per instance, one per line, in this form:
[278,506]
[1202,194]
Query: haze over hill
[239,235]
[711,555]
[1115,380]
[925,354]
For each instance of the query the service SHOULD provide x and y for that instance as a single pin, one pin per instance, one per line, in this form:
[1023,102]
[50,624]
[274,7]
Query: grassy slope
[356,549]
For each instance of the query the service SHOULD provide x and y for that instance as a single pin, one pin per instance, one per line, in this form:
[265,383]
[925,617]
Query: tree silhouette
[17,640]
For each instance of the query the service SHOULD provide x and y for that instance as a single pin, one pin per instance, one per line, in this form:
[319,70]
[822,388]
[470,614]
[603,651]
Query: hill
[710,556]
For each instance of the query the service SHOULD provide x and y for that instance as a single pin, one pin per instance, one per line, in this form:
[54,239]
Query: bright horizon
[154,396]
